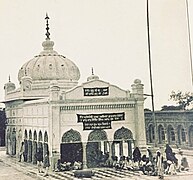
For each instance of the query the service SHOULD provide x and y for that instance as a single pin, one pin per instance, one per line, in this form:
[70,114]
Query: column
[110,150]
[29,156]
[121,148]
[117,149]
[84,163]
[34,150]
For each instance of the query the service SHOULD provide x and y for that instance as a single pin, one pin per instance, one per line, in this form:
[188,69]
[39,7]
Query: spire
[92,71]
[47,28]
[47,44]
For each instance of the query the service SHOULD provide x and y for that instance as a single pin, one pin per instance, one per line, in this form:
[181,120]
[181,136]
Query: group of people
[67,166]
[161,163]
[158,165]
[42,160]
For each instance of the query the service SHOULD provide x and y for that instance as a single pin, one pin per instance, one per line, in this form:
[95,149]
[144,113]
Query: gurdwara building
[50,110]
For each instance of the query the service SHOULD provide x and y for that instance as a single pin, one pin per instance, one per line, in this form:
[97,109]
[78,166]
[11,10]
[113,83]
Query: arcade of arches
[32,141]
[174,128]
[73,149]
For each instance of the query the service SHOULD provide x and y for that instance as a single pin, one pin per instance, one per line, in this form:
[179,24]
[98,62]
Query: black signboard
[96,125]
[99,121]
[102,91]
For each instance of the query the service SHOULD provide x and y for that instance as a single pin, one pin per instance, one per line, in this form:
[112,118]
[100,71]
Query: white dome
[49,65]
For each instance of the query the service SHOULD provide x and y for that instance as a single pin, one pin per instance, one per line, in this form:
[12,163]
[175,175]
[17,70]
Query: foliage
[182,99]
[170,108]
[146,109]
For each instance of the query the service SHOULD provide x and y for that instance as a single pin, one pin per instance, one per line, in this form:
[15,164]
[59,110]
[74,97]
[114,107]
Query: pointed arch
[30,134]
[35,136]
[25,134]
[161,134]
[46,137]
[151,133]
[40,138]
[71,136]
[123,133]
[97,135]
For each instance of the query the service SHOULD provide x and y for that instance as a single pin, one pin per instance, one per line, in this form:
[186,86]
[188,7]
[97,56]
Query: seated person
[77,165]
[184,164]
[58,166]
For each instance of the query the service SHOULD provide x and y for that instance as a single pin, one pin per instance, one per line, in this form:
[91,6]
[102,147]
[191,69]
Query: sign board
[99,121]
[102,91]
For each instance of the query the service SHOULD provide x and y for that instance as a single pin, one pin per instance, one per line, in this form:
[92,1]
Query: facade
[2,126]
[73,122]
[173,127]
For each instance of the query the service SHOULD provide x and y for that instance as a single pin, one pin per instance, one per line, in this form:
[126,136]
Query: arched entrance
[71,147]
[161,134]
[151,133]
[34,149]
[190,133]
[29,158]
[46,149]
[96,147]
[13,142]
[8,142]
[40,142]
[181,135]
[25,146]
[171,135]
[123,142]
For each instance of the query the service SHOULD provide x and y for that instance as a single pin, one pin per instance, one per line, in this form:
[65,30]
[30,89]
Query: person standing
[21,152]
[39,157]
[159,164]
[136,156]
[46,163]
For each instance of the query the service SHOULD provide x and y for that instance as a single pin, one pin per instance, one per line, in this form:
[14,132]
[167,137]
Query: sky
[108,35]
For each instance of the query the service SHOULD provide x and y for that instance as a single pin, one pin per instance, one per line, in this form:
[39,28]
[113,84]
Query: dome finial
[9,79]
[92,71]
[47,27]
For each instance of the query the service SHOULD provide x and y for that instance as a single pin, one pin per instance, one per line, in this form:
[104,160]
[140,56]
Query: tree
[170,108]
[182,99]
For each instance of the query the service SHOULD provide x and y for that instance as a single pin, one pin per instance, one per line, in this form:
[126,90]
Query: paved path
[11,169]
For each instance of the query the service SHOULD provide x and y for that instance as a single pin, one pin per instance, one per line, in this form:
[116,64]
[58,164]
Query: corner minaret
[9,86]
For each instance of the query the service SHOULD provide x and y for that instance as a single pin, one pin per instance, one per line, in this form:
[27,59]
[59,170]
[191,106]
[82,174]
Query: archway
[181,135]
[46,149]
[34,149]
[71,147]
[161,134]
[30,147]
[96,147]
[171,134]
[190,133]
[151,133]
[8,142]
[123,142]
[25,145]
[40,142]
[13,142]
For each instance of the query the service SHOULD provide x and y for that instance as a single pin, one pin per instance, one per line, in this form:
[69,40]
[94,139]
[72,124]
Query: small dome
[92,77]
[137,81]
[49,65]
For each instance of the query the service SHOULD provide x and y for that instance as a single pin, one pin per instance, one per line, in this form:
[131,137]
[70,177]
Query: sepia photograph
[96,89]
